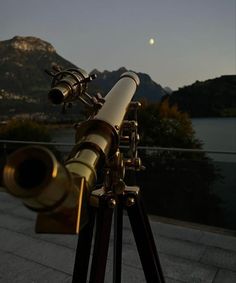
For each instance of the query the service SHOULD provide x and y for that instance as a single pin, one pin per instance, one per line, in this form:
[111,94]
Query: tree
[176,184]
[24,130]
[163,125]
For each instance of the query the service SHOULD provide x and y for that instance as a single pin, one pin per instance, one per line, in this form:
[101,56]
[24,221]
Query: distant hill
[168,90]
[148,89]
[210,98]
[23,61]
[24,84]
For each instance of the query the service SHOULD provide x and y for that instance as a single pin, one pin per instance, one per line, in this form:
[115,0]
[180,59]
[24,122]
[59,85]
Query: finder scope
[68,85]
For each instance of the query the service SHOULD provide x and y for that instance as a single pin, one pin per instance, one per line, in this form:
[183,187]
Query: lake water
[217,134]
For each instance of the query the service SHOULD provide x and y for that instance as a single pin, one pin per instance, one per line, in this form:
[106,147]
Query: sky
[194,39]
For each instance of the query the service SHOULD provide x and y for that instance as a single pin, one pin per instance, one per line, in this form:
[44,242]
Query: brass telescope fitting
[34,175]
[66,84]
[69,85]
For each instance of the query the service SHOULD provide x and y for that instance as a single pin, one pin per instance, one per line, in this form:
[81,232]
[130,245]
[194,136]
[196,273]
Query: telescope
[90,184]
[34,175]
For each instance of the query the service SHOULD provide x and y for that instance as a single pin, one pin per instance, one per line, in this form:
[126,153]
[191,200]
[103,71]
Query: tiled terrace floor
[187,254]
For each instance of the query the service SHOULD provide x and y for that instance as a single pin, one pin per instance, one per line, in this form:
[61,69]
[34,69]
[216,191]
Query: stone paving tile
[26,227]
[16,208]
[186,270]
[183,249]
[6,197]
[129,274]
[180,248]
[6,206]
[15,223]
[218,240]
[175,268]
[15,269]
[22,211]
[11,241]
[225,276]
[168,280]
[65,240]
[8,203]
[174,231]
[48,254]
[69,241]
[221,258]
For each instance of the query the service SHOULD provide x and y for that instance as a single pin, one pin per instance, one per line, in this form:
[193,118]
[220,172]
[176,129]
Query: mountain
[24,84]
[211,98]
[148,89]
[23,61]
[168,90]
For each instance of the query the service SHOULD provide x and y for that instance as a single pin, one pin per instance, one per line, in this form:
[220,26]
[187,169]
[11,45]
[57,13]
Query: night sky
[194,40]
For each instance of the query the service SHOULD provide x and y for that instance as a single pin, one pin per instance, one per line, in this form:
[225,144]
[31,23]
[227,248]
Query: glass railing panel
[189,185]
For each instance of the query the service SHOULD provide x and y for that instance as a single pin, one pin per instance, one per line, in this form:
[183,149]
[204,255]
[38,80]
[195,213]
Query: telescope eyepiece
[29,170]
[30,173]
[56,96]
[68,85]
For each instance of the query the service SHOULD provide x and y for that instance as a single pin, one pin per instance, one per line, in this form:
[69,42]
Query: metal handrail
[139,147]
[36,143]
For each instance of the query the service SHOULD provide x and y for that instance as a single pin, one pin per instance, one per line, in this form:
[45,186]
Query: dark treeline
[211,98]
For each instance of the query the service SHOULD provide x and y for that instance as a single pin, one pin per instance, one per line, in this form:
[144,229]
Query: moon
[151,41]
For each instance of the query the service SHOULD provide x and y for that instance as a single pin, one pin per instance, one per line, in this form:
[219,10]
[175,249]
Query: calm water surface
[216,133]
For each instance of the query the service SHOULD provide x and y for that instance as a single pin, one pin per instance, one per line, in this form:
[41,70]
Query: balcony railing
[187,184]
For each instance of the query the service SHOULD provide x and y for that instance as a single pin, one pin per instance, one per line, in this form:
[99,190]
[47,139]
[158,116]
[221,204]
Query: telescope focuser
[70,85]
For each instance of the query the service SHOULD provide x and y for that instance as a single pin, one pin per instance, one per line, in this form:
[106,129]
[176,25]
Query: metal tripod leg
[101,244]
[144,239]
[142,233]
[118,231]
[83,251]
